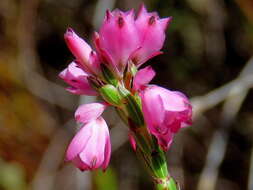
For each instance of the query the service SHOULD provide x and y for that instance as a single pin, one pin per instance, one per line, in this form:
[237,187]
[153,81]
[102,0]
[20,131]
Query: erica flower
[151,32]
[82,51]
[165,112]
[77,79]
[117,38]
[91,147]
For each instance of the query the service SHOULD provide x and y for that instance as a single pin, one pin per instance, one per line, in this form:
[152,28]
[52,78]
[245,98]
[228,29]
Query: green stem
[148,149]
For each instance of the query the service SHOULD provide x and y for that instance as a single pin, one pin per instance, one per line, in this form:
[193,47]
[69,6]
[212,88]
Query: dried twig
[219,141]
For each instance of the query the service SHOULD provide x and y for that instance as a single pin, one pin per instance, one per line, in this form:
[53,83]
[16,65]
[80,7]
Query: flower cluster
[123,43]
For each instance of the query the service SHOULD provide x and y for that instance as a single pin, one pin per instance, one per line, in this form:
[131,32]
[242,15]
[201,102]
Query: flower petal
[88,112]
[79,142]
[143,77]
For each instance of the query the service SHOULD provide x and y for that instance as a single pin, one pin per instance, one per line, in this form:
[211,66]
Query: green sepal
[108,75]
[132,107]
[111,95]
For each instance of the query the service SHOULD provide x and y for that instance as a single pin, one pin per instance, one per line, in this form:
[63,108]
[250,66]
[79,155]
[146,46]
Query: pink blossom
[143,77]
[88,112]
[165,112]
[82,51]
[117,38]
[151,32]
[91,147]
[77,79]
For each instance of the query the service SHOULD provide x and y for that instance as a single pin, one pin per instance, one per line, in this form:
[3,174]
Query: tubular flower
[77,79]
[117,38]
[85,56]
[91,147]
[165,112]
[151,32]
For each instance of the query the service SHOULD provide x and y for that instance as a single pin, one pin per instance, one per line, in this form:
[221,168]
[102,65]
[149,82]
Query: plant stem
[148,149]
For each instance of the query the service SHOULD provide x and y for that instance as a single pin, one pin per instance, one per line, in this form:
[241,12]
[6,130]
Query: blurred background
[208,55]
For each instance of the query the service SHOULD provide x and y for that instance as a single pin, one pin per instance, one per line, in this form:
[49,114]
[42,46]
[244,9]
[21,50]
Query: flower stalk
[148,149]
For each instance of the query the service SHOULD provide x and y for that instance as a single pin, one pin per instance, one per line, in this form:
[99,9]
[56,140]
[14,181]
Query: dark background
[207,55]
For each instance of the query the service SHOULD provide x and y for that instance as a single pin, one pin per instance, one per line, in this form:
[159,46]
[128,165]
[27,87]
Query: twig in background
[219,141]
[28,61]
[52,158]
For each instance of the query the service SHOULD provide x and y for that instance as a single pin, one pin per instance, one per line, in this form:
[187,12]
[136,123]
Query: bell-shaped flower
[82,51]
[151,32]
[91,147]
[117,39]
[165,112]
[77,79]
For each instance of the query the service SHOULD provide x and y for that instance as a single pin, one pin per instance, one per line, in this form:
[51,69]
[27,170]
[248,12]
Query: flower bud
[82,52]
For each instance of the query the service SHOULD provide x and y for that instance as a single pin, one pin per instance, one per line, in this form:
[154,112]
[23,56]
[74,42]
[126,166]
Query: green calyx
[132,107]
[111,95]
[109,76]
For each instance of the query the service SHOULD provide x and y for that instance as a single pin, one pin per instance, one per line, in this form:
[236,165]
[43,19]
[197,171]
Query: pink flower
[91,147]
[165,112]
[151,32]
[143,77]
[82,51]
[88,112]
[77,79]
[117,38]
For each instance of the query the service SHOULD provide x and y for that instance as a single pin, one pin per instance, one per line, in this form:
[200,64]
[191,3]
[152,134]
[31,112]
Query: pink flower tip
[88,112]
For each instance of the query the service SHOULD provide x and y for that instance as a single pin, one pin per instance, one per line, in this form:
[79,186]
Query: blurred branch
[52,158]
[36,83]
[214,14]
[231,89]
[219,141]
